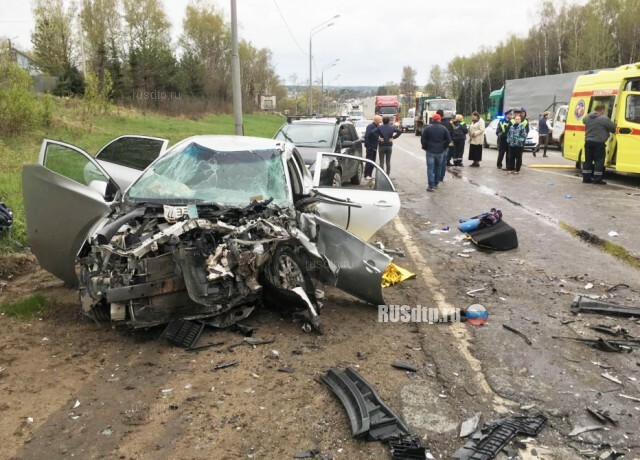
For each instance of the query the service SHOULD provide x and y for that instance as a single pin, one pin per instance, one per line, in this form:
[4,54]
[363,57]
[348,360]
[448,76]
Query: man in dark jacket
[371,136]
[435,140]
[387,132]
[597,130]
[501,132]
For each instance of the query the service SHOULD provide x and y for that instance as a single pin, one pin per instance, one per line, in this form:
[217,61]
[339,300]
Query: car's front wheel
[357,179]
[337,179]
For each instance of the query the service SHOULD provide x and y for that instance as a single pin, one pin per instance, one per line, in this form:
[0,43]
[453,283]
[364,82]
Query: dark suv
[334,135]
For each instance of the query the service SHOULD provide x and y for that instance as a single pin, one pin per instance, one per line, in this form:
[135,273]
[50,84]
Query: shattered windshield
[308,135]
[196,174]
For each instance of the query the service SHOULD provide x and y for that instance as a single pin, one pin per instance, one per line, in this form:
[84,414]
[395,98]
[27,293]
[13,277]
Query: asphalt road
[490,369]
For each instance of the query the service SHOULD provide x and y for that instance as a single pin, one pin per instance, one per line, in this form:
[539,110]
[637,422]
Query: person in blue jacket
[387,133]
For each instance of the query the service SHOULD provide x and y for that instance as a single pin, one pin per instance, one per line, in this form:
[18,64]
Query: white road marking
[459,329]
[417,156]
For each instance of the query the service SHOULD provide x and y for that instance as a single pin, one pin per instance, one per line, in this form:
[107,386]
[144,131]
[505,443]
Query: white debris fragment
[466,256]
[187,386]
[29,419]
[166,391]
[107,431]
[75,417]
[613,233]
[255,376]
[45,339]
[588,286]
[610,377]
[213,389]
[466,251]
[470,425]
[629,397]
[76,405]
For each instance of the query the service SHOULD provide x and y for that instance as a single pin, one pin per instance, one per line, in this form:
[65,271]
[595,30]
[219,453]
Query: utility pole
[235,71]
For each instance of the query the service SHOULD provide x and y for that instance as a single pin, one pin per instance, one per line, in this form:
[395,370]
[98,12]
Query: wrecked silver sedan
[211,229]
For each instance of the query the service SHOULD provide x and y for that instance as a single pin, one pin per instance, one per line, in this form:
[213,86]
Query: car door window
[323,175]
[135,152]
[70,163]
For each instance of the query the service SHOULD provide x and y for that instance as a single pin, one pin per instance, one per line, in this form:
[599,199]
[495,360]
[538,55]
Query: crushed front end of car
[143,270]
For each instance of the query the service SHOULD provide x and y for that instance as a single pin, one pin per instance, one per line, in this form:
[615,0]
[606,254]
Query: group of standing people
[378,139]
[444,139]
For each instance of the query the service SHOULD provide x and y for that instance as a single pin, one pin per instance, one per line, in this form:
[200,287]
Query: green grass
[90,132]
[27,307]
[613,249]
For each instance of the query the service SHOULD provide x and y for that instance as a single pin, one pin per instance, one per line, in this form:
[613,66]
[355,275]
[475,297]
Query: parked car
[407,124]
[491,138]
[211,229]
[313,135]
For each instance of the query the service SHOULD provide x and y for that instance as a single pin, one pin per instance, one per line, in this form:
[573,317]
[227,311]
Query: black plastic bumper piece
[370,418]
[582,304]
[407,448]
[485,443]
[183,333]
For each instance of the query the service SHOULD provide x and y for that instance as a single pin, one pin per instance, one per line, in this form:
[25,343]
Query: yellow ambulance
[619,91]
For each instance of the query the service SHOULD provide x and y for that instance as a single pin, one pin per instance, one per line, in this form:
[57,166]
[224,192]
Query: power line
[287,26]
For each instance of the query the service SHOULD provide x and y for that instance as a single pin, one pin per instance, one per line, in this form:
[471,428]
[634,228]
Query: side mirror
[99,186]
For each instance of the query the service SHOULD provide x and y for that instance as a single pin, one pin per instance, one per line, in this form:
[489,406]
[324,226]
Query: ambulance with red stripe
[619,90]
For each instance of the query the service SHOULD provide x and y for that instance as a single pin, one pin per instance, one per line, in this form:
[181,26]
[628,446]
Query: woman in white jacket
[476,139]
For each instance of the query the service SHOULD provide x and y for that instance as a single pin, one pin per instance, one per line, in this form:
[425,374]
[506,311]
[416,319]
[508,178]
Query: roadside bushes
[21,109]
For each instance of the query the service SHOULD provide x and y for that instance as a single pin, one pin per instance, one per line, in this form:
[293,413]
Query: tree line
[130,57]
[566,38]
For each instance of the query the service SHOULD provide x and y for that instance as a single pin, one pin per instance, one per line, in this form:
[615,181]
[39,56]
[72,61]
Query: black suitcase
[500,237]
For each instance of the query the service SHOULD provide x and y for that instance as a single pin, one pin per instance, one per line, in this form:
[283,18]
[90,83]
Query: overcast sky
[374,39]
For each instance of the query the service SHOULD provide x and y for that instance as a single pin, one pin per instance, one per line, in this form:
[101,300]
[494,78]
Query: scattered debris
[616,286]
[2,369]
[615,346]
[515,331]
[29,419]
[486,442]
[108,431]
[568,196]
[183,333]
[602,416]
[224,365]
[610,377]
[583,429]
[166,391]
[473,291]
[205,346]
[76,405]
[273,354]
[404,366]
[395,274]
[629,397]
[252,341]
[588,286]
[288,370]
[527,407]
[613,233]
[466,256]
[313,453]
[581,304]
[370,418]
[469,426]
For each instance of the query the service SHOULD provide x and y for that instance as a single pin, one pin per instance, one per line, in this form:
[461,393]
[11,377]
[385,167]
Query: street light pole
[320,28]
[328,66]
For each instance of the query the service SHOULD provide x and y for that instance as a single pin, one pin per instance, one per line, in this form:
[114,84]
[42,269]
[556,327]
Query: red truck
[387,106]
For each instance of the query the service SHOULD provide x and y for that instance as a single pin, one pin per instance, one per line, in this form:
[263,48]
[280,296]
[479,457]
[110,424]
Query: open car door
[360,265]
[125,157]
[360,209]
[65,194]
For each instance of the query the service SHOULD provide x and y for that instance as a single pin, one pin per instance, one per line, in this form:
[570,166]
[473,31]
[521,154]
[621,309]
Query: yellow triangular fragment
[394,274]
